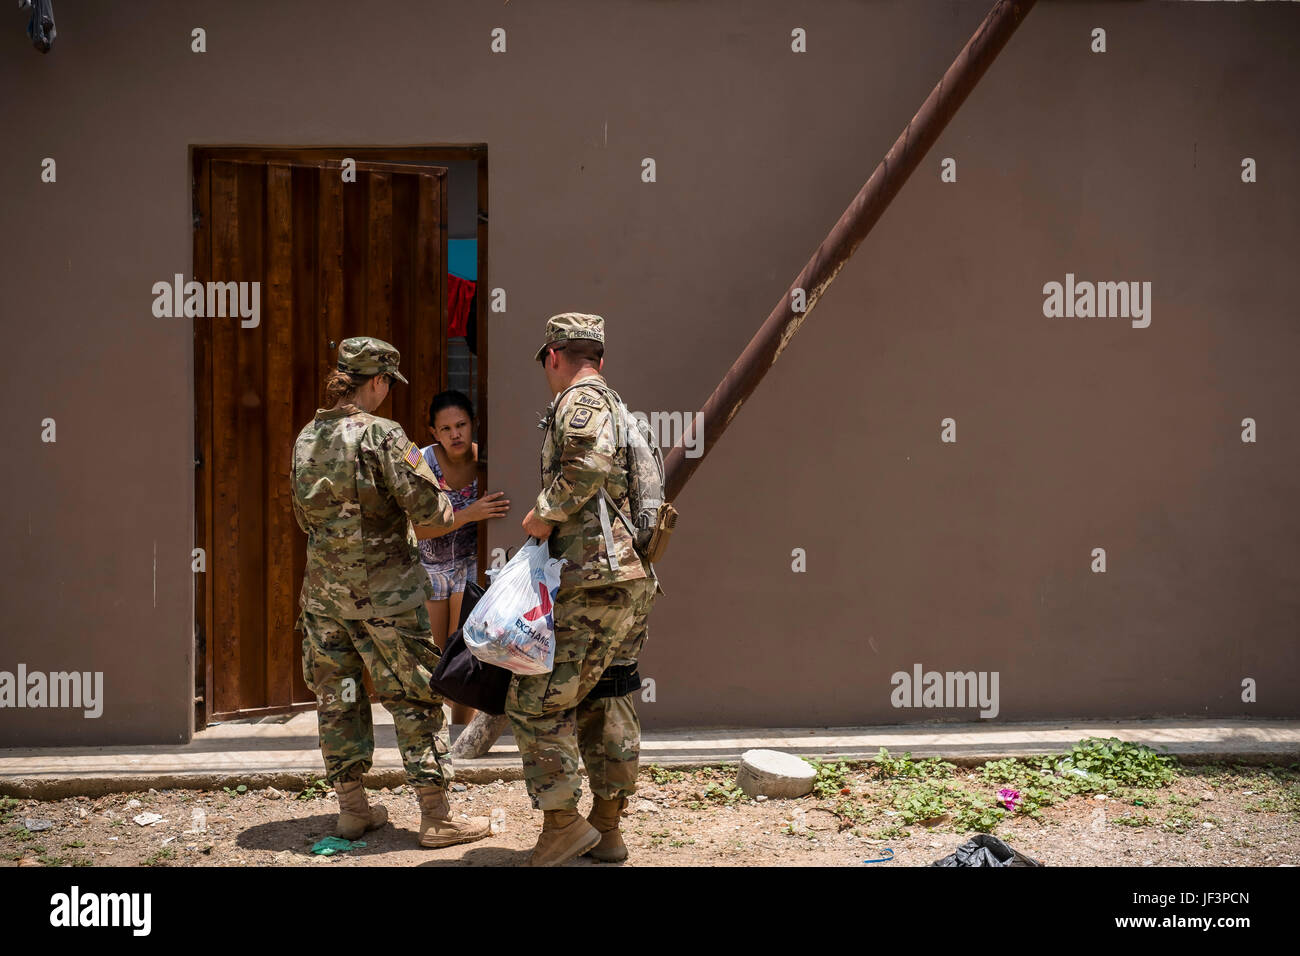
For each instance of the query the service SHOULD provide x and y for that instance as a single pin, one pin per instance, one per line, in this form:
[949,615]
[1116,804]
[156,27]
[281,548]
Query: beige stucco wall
[1073,434]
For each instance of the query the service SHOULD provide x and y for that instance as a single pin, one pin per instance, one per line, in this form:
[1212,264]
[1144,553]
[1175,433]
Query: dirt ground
[1209,815]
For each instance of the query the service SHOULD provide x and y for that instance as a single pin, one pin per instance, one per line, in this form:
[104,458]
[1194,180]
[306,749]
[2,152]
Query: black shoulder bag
[464,678]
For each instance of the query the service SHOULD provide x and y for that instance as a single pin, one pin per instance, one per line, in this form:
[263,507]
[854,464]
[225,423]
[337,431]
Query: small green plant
[1134,820]
[935,768]
[850,812]
[116,823]
[905,766]
[1126,771]
[1020,772]
[830,779]
[891,832]
[888,766]
[1033,799]
[238,791]
[1119,762]
[1291,800]
[160,858]
[921,803]
[1269,804]
[722,772]
[976,813]
[721,793]
[662,775]
[49,860]
[8,807]
[315,791]
[74,845]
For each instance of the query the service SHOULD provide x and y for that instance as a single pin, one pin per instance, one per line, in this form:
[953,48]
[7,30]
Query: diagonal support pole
[871,201]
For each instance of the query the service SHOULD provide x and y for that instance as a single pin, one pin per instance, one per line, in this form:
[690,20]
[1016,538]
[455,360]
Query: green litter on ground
[331,845]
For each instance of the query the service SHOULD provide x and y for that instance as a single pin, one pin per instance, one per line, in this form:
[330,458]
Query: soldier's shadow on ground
[299,835]
[479,855]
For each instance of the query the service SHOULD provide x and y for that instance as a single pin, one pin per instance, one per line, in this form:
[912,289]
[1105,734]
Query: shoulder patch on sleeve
[580,417]
[590,401]
[411,455]
[380,432]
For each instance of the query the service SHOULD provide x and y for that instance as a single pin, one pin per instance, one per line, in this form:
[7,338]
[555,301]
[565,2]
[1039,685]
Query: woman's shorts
[451,579]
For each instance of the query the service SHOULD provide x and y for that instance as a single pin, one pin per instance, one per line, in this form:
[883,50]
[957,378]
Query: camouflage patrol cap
[365,355]
[572,325]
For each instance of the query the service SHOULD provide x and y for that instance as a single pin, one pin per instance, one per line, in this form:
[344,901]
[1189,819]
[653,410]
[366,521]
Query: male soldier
[358,483]
[605,594]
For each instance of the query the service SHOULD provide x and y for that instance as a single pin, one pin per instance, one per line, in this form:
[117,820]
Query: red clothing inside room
[460,294]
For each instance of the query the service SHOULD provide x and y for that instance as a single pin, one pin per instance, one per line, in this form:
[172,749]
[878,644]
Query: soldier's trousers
[553,720]
[400,655]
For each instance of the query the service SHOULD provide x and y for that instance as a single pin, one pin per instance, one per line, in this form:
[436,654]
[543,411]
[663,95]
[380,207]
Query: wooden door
[334,259]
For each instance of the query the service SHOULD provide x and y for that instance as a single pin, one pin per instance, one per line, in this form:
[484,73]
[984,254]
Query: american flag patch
[413,456]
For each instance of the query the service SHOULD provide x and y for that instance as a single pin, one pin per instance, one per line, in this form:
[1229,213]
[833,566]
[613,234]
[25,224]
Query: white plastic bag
[513,624]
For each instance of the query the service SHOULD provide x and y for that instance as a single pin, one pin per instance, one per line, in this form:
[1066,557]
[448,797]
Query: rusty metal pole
[903,157]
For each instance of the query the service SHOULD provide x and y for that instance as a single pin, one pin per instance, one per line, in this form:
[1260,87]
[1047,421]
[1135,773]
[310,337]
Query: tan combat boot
[438,829]
[565,835]
[604,817]
[356,816]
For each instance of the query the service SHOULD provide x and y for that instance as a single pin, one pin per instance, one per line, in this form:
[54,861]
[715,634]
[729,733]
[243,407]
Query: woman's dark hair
[450,399]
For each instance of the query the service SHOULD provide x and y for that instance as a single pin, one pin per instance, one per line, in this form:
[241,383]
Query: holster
[662,531]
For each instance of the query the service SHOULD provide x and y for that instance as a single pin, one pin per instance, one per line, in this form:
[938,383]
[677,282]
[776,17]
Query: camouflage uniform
[358,483]
[600,609]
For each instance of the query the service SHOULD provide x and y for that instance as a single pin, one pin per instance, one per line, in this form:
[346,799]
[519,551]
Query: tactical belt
[618,680]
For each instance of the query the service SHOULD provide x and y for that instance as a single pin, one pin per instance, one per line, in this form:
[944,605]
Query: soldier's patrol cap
[572,325]
[369,356]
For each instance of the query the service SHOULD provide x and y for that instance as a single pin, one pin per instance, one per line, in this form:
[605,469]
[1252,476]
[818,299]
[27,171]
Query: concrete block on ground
[771,773]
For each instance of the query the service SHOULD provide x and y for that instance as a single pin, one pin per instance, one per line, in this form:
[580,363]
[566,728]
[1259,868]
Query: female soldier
[358,483]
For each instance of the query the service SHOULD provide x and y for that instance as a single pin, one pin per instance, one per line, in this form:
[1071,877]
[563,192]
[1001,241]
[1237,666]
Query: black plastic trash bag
[464,678]
[985,850]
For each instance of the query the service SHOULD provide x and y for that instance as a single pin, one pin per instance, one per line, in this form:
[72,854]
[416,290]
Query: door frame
[200,156]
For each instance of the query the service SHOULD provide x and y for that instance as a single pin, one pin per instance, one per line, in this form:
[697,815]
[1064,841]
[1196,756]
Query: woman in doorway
[450,555]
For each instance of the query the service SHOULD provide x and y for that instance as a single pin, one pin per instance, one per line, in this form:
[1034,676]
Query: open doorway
[396,249]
